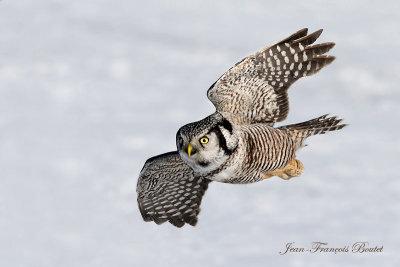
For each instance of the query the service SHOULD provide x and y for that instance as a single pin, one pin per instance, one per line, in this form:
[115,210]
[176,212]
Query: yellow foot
[293,169]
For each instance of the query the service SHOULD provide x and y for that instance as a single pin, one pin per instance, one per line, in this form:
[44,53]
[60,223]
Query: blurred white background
[91,89]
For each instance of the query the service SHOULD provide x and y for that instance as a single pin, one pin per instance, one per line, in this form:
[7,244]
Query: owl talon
[293,169]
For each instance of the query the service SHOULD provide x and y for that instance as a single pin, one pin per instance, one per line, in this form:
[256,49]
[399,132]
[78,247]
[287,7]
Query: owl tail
[300,131]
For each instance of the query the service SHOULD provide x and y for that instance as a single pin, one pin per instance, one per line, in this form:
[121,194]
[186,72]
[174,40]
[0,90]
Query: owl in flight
[238,143]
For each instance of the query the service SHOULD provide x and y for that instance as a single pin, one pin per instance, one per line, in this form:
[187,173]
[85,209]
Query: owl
[238,143]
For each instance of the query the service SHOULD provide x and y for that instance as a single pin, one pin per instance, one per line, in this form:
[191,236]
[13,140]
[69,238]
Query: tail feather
[300,131]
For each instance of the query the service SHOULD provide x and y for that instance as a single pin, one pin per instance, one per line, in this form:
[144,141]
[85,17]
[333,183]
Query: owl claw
[293,169]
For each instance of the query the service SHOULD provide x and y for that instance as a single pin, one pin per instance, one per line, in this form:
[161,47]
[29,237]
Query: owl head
[205,145]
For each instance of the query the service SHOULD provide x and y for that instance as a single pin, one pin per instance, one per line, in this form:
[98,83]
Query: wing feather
[255,89]
[168,190]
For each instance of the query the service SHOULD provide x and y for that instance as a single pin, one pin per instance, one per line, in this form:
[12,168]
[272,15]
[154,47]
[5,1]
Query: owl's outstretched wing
[255,89]
[168,190]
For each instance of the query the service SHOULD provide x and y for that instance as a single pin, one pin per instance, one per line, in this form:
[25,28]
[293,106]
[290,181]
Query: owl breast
[261,149]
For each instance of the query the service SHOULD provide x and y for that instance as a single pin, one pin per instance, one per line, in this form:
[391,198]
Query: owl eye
[180,140]
[204,140]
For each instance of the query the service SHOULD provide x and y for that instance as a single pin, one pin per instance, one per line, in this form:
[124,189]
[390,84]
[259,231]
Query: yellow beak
[189,150]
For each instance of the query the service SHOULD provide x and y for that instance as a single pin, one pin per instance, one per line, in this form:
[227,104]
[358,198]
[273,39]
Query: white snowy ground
[91,89]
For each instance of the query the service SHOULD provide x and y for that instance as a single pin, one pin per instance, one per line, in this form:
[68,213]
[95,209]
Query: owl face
[205,145]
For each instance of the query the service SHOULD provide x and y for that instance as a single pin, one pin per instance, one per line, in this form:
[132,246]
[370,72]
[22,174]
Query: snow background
[91,89]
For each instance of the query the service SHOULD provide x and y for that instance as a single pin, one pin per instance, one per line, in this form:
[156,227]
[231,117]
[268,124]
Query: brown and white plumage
[255,89]
[237,144]
[246,153]
[168,190]
[300,131]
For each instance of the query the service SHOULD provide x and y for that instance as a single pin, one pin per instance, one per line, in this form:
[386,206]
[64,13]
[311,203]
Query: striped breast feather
[267,148]
[271,71]
[168,190]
